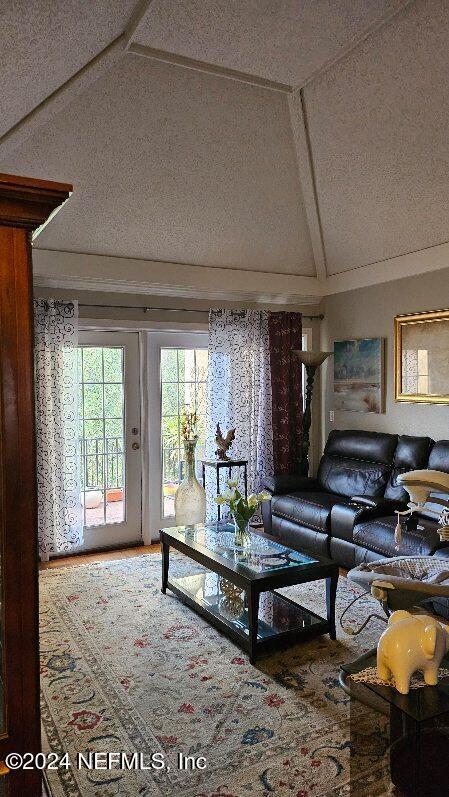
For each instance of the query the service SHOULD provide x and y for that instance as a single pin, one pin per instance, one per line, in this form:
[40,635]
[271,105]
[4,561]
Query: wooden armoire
[25,204]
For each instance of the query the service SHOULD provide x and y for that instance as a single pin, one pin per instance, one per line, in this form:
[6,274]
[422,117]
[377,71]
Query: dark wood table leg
[218,492]
[331,591]
[165,548]
[253,622]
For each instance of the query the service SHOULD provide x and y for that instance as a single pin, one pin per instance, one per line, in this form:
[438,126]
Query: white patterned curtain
[239,392]
[60,527]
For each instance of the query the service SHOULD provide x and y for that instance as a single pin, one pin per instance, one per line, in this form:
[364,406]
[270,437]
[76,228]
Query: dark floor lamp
[311,361]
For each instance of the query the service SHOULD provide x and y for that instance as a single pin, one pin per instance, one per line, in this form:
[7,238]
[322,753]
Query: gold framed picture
[421,353]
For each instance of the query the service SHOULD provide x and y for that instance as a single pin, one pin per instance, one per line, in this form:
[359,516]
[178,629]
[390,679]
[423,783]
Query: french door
[176,377]
[110,439]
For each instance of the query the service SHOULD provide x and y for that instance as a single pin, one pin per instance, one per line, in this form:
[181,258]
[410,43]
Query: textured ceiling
[181,166]
[43,43]
[174,165]
[379,130]
[284,41]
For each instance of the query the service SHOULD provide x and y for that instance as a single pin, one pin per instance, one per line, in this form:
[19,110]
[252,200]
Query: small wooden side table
[219,464]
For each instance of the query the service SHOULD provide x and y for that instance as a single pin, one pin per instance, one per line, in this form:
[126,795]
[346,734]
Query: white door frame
[130,531]
[151,344]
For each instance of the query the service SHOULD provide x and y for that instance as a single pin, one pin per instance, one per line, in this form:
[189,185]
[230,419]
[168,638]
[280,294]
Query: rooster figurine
[223,443]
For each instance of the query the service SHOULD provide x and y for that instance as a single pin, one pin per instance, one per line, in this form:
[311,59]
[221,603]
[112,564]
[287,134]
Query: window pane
[181,364]
[113,427]
[169,399]
[113,359]
[201,395]
[201,365]
[113,401]
[93,429]
[189,365]
[170,463]
[92,364]
[93,401]
[169,365]
[170,430]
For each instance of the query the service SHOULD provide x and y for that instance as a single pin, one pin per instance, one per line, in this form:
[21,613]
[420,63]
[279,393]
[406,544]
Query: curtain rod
[169,309]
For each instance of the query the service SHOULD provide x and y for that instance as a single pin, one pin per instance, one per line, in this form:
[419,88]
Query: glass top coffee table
[235,588]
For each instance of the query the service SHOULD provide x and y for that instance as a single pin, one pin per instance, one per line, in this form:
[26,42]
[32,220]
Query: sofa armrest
[345,516]
[379,503]
[289,483]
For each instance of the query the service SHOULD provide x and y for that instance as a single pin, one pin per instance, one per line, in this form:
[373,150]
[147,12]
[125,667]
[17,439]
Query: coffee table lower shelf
[281,621]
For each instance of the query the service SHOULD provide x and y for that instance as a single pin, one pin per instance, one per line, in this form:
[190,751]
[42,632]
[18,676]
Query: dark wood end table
[226,464]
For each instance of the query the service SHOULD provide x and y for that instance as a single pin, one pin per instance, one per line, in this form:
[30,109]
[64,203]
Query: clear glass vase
[242,532]
[190,498]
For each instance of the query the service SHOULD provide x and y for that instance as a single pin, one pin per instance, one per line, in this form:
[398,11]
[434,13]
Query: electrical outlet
[331,416]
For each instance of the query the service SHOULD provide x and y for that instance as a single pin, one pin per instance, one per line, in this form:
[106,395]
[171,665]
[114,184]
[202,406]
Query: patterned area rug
[125,668]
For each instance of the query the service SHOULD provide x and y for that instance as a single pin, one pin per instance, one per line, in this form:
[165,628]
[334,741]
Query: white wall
[369,312]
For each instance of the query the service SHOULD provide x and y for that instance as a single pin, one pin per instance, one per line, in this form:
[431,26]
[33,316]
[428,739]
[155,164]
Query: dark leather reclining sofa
[347,511]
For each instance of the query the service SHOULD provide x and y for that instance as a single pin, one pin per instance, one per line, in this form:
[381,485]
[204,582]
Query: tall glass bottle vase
[190,498]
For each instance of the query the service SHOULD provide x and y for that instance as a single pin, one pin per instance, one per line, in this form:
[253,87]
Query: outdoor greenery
[101,413]
[101,405]
[183,384]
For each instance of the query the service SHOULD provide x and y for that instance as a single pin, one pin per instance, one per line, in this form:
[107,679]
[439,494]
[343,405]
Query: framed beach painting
[421,354]
[359,375]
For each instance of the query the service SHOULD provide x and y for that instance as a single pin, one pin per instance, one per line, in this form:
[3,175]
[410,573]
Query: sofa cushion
[439,456]
[357,463]
[419,536]
[310,509]
[288,483]
[412,453]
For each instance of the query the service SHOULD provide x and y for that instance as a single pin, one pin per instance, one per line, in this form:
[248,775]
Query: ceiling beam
[136,18]
[65,93]
[62,96]
[411,264]
[307,179]
[355,43]
[210,69]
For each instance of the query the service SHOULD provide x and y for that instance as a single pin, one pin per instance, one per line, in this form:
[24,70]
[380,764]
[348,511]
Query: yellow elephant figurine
[411,642]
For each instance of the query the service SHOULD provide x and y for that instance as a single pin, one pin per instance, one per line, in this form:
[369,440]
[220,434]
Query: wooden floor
[99,556]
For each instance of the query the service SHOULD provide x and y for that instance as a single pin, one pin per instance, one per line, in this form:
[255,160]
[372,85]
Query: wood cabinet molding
[28,203]
[24,205]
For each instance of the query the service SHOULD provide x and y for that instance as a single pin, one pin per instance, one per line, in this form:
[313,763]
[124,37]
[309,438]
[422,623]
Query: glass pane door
[176,364]
[102,434]
[110,438]
[183,389]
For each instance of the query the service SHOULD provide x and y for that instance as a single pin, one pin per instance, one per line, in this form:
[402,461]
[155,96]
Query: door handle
[135,446]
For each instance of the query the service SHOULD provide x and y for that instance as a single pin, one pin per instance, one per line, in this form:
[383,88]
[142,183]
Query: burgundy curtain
[285,334]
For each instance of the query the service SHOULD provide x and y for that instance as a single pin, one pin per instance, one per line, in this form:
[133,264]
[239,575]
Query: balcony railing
[102,462]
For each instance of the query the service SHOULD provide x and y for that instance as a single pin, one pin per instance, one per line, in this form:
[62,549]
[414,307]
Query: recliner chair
[347,511]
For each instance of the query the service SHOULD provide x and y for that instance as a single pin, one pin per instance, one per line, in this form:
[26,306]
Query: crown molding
[105,274]
[150,288]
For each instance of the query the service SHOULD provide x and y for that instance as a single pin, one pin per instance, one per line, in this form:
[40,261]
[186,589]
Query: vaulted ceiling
[285,148]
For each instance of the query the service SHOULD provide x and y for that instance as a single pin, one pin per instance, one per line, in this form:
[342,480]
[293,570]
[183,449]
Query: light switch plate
[331,416]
